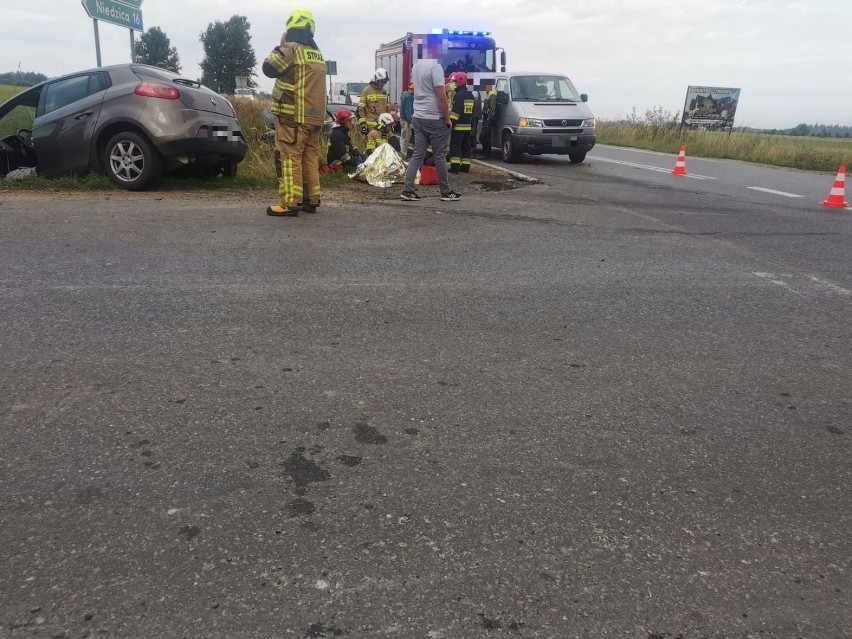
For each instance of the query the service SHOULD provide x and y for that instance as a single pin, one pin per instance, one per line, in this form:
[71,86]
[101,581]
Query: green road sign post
[124,13]
[115,13]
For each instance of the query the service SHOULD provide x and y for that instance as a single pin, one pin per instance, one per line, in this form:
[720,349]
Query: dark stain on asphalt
[303,471]
[496,624]
[366,434]
[349,460]
[412,431]
[324,425]
[300,507]
[834,430]
[228,481]
[189,532]
[88,495]
[318,630]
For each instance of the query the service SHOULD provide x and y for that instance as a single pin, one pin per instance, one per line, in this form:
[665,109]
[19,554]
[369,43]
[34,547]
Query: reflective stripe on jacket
[299,91]
[461,113]
[373,102]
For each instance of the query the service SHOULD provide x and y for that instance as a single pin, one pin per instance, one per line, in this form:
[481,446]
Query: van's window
[543,88]
[502,86]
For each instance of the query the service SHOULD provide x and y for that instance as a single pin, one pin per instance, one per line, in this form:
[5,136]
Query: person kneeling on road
[342,154]
[384,133]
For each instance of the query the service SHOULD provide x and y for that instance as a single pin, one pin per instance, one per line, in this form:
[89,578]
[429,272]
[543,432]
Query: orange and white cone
[680,165]
[837,197]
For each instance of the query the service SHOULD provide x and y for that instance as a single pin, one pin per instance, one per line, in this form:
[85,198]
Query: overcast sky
[792,59]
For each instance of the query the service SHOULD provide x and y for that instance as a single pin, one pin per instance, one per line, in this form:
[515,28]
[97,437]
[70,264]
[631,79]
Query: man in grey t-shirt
[432,127]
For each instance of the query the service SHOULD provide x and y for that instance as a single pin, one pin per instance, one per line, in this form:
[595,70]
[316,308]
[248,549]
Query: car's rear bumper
[205,149]
[190,136]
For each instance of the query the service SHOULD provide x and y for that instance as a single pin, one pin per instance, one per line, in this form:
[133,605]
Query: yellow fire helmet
[301,19]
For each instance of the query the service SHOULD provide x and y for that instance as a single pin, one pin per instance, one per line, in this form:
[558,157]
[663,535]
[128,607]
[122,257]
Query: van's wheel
[577,157]
[131,161]
[508,149]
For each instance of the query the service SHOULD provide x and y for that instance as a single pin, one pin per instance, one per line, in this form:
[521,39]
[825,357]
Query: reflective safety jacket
[461,113]
[382,135]
[340,149]
[299,91]
[373,102]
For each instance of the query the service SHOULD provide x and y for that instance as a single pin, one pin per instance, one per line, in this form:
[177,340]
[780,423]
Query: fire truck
[473,52]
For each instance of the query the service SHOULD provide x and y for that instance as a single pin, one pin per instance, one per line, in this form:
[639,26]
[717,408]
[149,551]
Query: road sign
[131,3]
[114,13]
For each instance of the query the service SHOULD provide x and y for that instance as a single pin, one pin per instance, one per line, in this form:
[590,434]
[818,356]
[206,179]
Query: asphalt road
[612,404]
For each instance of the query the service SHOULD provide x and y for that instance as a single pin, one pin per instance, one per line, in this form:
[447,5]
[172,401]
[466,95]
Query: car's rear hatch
[192,94]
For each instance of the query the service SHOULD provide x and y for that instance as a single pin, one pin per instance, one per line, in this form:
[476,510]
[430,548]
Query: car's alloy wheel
[131,161]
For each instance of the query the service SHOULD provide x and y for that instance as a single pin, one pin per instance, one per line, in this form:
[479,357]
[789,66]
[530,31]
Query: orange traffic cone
[837,196]
[680,165]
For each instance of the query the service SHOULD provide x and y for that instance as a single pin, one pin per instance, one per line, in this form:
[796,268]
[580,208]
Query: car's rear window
[153,72]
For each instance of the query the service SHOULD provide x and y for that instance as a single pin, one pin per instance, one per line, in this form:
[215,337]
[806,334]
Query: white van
[541,113]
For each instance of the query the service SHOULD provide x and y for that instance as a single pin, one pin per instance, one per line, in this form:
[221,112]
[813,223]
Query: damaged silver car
[131,122]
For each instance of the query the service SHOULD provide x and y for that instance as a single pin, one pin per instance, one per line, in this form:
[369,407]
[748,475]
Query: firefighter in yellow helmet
[373,102]
[385,132]
[298,104]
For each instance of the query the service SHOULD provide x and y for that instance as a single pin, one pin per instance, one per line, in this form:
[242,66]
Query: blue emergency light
[461,33]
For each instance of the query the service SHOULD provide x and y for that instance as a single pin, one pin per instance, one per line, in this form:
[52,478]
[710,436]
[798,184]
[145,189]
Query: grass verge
[813,154]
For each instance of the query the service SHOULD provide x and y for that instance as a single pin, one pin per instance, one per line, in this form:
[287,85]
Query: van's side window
[502,85]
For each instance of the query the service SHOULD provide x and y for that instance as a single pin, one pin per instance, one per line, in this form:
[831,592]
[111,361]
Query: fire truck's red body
[473,52]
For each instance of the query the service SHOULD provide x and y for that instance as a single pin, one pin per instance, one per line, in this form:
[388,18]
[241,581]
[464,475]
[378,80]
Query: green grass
[815,154]
[7,91]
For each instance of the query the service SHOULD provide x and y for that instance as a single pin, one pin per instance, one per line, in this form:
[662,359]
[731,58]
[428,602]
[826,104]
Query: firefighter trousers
[297,150]
[460,151]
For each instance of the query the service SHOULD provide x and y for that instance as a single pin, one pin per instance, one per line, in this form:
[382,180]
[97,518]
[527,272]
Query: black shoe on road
[411,196]
[450,196]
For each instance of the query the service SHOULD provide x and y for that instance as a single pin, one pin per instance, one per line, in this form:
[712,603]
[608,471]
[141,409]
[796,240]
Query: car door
[65,123]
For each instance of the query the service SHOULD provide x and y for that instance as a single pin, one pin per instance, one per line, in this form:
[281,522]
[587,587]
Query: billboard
[710,107]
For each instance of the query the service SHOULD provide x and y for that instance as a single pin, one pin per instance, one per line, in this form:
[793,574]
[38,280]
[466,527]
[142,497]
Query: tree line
[813,131]
[22,78]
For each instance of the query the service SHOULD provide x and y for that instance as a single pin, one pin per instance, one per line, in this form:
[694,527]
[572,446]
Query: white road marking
[773,191]
[770,277]
[824,286]
[648,167]
[831,287]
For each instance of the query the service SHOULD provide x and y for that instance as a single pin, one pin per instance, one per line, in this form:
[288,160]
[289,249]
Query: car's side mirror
[503,61]
[584,97]
[502,97]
